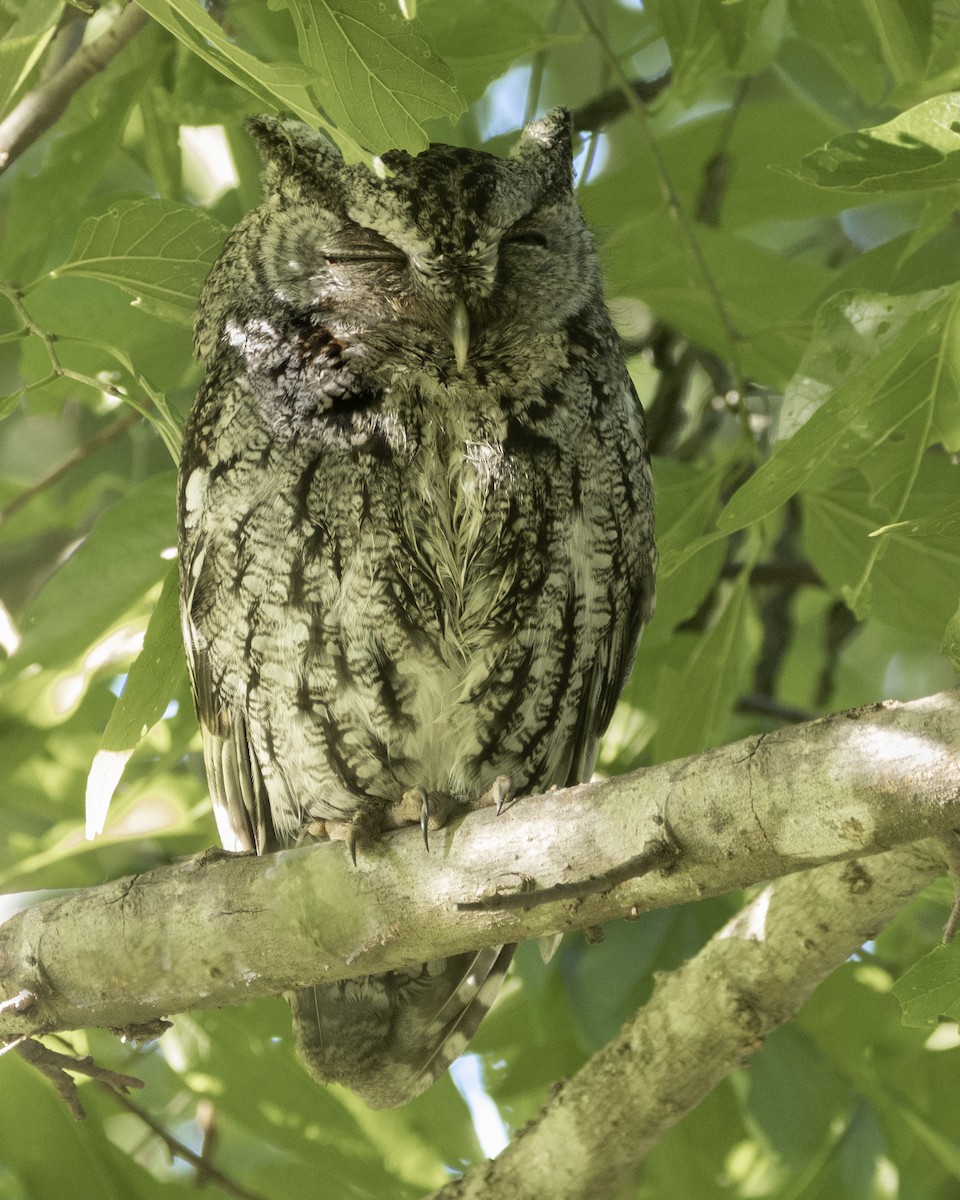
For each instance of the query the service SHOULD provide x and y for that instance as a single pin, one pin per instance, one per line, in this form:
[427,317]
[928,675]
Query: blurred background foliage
[774,188]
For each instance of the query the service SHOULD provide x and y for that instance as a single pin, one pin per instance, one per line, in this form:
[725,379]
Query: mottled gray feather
[408,558]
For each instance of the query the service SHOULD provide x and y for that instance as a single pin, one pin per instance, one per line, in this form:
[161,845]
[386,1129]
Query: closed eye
[525,237]
[356,244]
[366,256]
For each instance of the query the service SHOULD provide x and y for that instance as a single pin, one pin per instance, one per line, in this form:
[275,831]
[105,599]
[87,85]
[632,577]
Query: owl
[416,529]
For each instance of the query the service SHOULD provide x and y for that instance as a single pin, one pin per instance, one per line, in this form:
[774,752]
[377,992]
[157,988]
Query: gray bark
[198,935]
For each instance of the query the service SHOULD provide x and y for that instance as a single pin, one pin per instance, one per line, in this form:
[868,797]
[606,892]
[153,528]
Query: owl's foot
[434,809]
[417,806]
[364,826]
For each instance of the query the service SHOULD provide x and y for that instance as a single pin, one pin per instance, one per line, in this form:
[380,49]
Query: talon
[353,836]
[502,792]
[425,820]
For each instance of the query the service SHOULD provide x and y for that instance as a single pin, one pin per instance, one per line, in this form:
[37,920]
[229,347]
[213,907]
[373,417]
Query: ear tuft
[549,141]
[293,152]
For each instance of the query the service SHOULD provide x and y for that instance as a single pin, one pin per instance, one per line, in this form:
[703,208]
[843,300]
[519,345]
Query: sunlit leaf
[909,382]
[151,682]
[930,990]
[365,75]
[919,149]
[23,43]
[373,72]
[159,251]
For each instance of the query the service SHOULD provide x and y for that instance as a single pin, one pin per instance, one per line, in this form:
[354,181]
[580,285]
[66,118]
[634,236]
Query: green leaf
[382,1153]
[903,32]
[708,39]
[766,296]
[945,522]
[367,77]
[153,679]
[951,640]
[481,46]
[92,1163]
[837,50]
[158,250]
[903,383]
[23,44]
[906,581]
[930,991]
[945,1150]
[374,73]
[696,699]
[919,149]
[796,1098]
[282,85]
[113,567]
[687,504]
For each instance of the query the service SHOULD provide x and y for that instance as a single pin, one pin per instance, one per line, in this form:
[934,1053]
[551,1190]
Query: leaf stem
[153,407]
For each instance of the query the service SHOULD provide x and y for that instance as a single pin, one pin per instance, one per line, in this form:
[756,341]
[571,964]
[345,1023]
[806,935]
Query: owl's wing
[610,671]
[240,803]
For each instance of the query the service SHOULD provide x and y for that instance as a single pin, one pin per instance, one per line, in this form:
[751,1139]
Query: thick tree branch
[40,108]
[702,1021]
[217,933]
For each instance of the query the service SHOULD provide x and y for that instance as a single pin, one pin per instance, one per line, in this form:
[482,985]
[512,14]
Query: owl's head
[449,259]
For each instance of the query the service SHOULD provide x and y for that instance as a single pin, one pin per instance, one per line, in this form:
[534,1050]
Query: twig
[716,174]
[116,430]
[153,407]
[55,1066]
[42,106]
[675,208]
[204,1167]
[610,105]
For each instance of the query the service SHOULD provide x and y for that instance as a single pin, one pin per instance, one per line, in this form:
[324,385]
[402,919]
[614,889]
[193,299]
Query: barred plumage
[416,525]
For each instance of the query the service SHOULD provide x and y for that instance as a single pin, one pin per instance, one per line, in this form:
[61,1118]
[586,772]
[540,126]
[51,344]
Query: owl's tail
[388,1037]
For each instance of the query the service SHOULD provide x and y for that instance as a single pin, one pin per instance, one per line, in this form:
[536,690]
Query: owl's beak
[460,333]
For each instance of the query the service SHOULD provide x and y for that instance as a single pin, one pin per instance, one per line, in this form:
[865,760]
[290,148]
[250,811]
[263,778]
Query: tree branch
[702,1021]
[208,934]
[40,108]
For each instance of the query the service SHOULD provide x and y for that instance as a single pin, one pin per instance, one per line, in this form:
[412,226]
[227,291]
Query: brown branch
[204,1167]
[55,1066]
[595,114]
[40,108]
[702,1021]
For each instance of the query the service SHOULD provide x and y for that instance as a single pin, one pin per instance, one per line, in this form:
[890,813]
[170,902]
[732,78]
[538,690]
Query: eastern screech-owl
[416,527]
